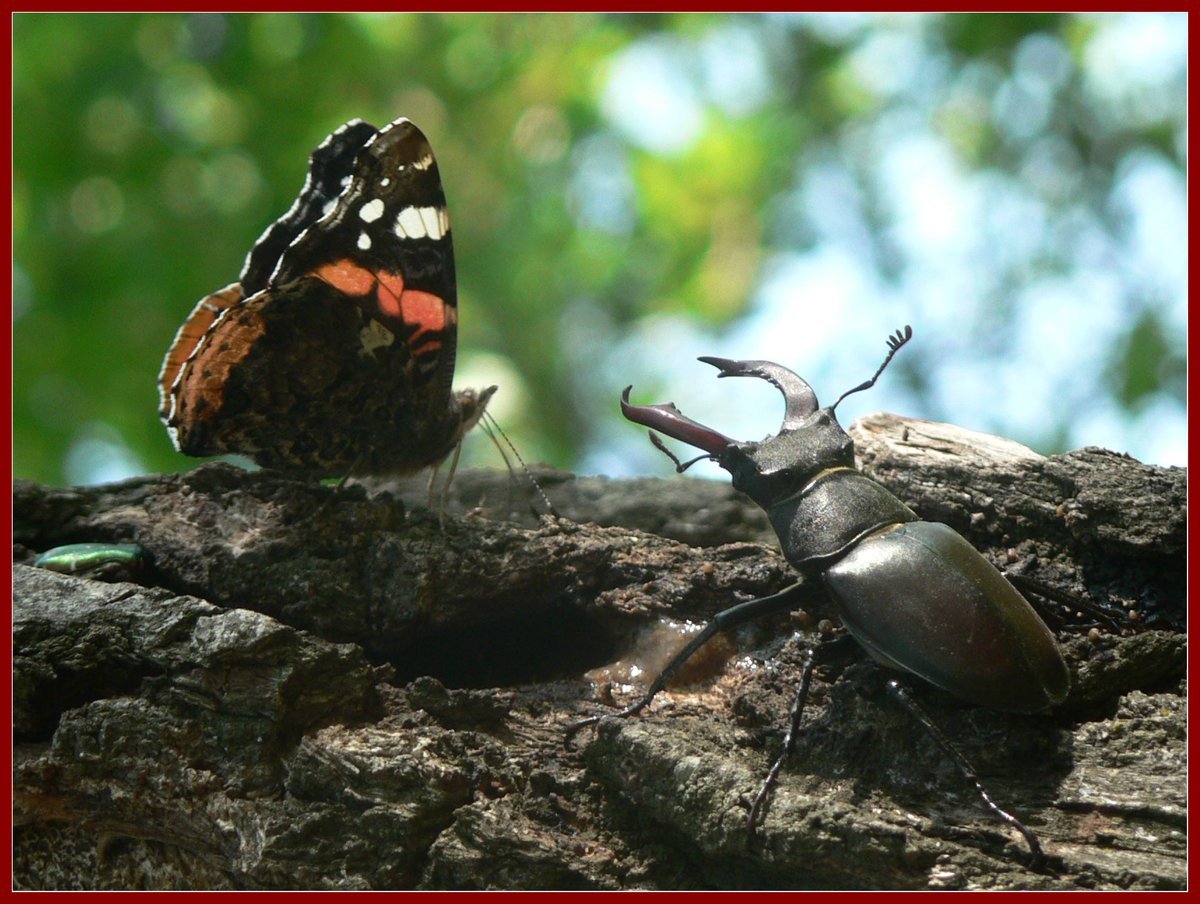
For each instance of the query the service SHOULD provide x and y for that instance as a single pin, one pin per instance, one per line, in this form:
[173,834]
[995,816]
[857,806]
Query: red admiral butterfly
[334,352]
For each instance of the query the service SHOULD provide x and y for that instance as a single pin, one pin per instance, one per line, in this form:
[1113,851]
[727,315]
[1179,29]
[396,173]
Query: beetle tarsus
[575,727]
[631,710]
[897,690]
[758,808]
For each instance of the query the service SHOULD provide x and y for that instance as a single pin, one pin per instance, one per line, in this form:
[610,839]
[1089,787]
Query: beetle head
[809,440]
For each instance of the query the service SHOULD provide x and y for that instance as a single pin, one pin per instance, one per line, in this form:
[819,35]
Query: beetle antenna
[895,343]
[680,467]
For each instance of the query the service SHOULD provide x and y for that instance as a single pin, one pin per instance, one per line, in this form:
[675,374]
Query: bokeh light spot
[111,124]
[277,37]
[99,454]
[97,205]
[231,182]
[541,135]
[651,99]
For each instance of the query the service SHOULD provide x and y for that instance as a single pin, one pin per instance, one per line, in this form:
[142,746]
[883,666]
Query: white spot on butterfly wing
[422,222]
[371,211]
[433,223]
[364,242]
[410,224]
[422,163]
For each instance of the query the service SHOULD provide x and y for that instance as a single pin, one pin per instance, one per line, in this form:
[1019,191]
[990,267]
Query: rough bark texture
[306,689]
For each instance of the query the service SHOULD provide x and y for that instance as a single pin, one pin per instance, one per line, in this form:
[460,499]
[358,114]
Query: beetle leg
[1030,586]
[724,620]
[897,690]
[789,744]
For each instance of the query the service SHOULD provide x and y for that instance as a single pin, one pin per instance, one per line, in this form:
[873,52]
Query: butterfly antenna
[485,424]
[512,472]
[489,424]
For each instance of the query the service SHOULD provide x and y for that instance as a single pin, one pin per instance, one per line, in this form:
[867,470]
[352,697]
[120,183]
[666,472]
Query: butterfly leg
[437,501]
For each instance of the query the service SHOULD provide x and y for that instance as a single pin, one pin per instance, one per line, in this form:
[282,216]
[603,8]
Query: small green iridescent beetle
[107,561]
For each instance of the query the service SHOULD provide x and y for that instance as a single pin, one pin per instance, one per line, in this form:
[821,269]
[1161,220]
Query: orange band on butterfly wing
[389,293]
[347,276]
[428,313]
[200,393]
[189,337]
[423,310]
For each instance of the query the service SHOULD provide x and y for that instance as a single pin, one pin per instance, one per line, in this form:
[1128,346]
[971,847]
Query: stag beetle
[916,595]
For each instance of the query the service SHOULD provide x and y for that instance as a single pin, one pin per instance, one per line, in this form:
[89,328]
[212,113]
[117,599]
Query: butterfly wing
[330,169]
[344,357]
[387,241]
[187,340]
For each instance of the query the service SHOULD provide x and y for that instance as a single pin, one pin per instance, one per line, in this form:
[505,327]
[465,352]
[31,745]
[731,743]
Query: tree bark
[304,688]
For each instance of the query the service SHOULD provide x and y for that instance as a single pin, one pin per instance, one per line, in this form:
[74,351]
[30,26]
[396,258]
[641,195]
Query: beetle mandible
[915,594]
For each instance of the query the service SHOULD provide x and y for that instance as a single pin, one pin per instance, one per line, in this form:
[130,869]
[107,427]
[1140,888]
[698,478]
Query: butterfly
[334,351]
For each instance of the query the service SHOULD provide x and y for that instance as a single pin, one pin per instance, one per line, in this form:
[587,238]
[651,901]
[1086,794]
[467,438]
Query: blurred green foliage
[151,150]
